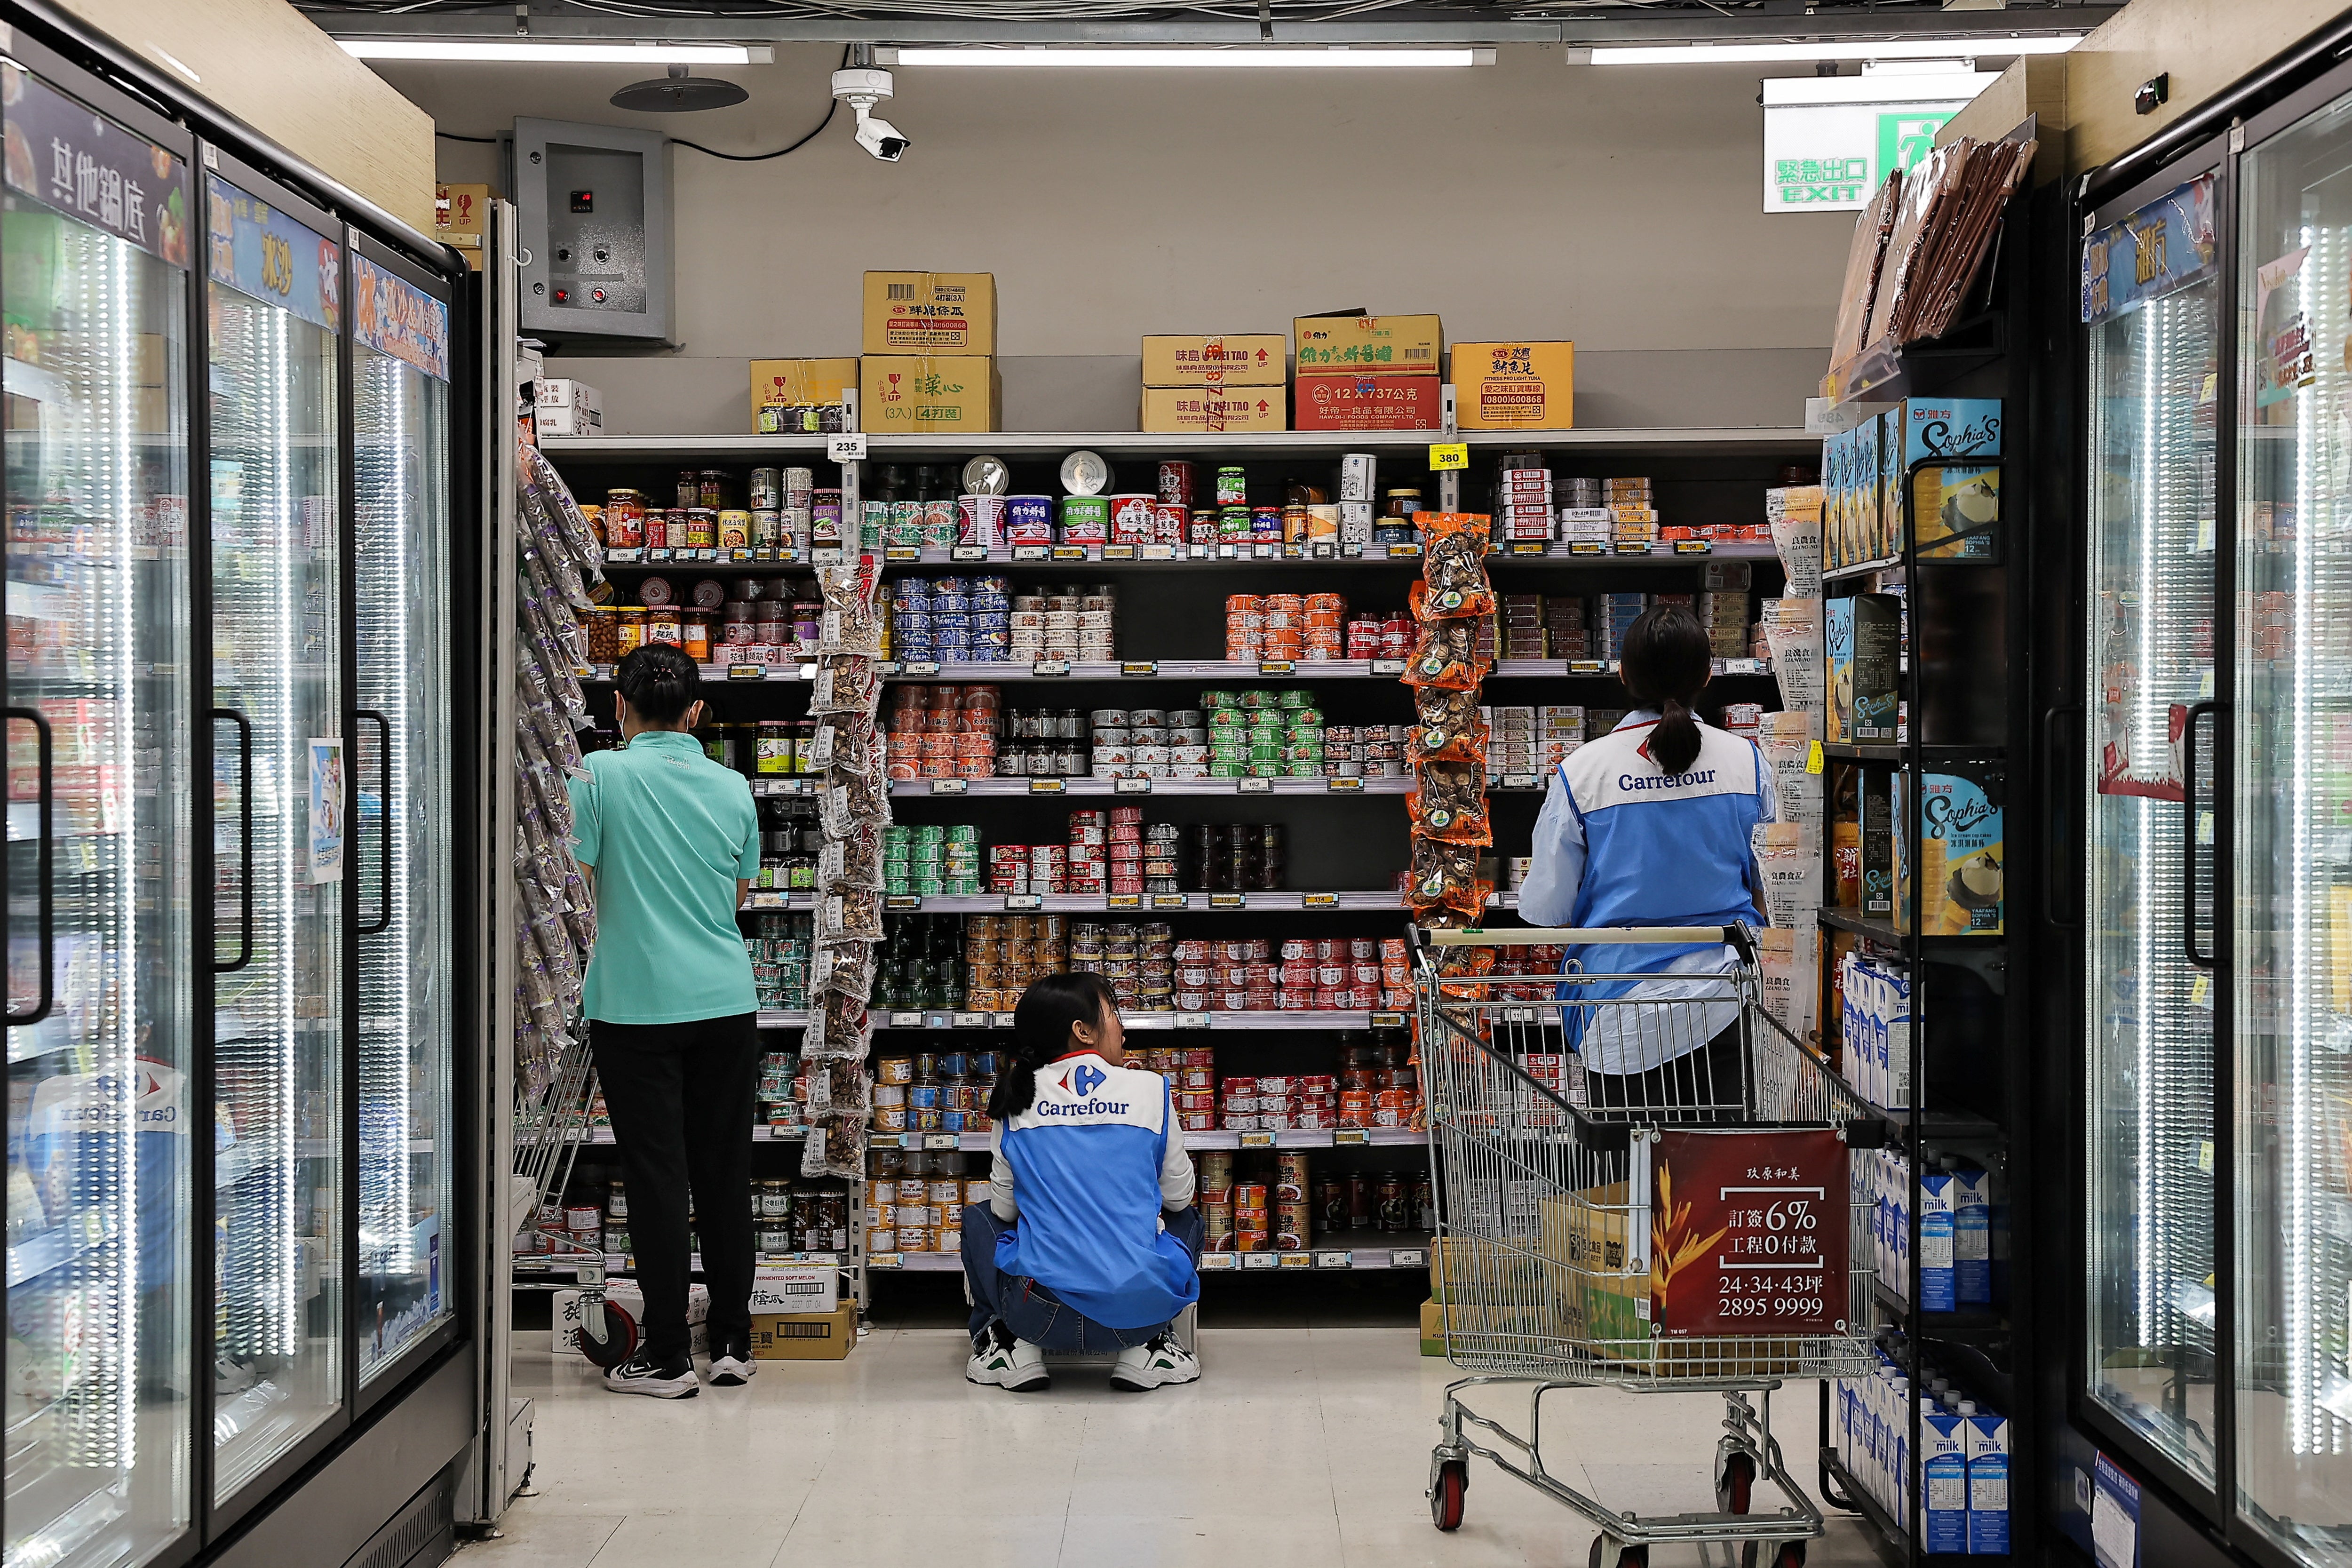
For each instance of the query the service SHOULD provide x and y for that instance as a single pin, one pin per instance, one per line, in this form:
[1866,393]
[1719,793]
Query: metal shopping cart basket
[1638,1189]
[547,1135]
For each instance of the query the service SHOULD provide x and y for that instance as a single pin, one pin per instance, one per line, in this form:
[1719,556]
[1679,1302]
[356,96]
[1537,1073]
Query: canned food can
[1233,486]
[734,530]
[1029,520]
[767,489]
[1086,519]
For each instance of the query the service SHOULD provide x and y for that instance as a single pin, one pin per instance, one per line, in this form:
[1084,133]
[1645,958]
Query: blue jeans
[1031,1310]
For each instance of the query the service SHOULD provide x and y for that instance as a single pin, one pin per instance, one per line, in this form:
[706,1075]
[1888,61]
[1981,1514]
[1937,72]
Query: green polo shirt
[669,831]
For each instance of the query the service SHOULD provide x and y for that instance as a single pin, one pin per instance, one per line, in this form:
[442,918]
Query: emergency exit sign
[1831,156]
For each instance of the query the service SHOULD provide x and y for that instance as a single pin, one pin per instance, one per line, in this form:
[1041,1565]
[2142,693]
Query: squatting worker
[670,841]
[1652,824]
[1089,1241]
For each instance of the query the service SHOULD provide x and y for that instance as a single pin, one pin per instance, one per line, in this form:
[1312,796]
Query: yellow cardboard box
[931,312]
[1201,410]
[816,1336]
[1390,345]
[1237,359]
[461,217]
[1481,1318]
[798,382]
[909,394]
[1514,386]
[1474,1269]
[1602,1295]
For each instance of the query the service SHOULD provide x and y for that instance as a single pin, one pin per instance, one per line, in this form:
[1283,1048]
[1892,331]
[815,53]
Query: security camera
[862,90]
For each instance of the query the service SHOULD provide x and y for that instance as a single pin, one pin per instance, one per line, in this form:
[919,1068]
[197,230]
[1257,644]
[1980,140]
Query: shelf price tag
[1192,1020]
[948,786]
[904,1020]
[939,1140]
[1022,903]
[1523,547]
[1031,553]
[1519,781]
[1069,552]
[969,1021]
[1046,786]
[1118,552]
[845,446]
[1123,902]
[1263,549]
[920,666]
[1693,547]
[1171,901]
[1318,900]
[1349,1135]
[1388,1020]
[1229,900]
[1404,552]
[1254,786]
[626,556]
[969,552]
[1254,1261]
[1448,455]
[1048,667]
[1159,551]
[1408,1257]
[1388,667]
[897,552]
[657,552]
[1140,667]
[747,672]
[1218,1262]
[1257,1140]
[1130,786]
[1813,757]
[1294,1259]
[882,1260]
[1276,666]
[1335,1260]
[902,901]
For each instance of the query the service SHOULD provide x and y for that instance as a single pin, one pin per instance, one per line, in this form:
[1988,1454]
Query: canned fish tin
[1130,518]
[1086,519]
[1029,520]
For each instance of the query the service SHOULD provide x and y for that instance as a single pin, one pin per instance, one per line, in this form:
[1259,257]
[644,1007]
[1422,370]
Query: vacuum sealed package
[838,1026]
[1450,803]
[1448,725]
[843,744]
[852,860]
[1789,858]
[1445,876]
[851,914]
[1446,656]
[853,614]
[1786,741]
[845,685]
[1784,960]
[1794,513]
[847,969]
[1792,629]
[835,1147]
[1453,565]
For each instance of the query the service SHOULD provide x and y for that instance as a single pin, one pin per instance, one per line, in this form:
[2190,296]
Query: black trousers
[681,1097]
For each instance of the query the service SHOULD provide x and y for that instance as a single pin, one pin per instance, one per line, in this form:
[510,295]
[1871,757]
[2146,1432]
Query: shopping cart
[548,1136]
[1563,1231]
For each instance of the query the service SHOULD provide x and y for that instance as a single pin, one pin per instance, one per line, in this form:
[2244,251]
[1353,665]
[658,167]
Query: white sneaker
[731,1365]
[1009,1363]
[1148,1366]
[663,1380]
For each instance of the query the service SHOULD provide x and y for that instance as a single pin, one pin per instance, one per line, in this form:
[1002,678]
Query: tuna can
[767,528]
[1178,482]
[1131,519]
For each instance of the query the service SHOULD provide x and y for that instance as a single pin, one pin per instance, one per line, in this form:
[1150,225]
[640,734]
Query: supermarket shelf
[1331,1251]
[53,1248]
[1896,753]
[1000,671]
[1862,569]
[806,784]
[1684,440]
[1292,1138]
[1967,1321]
[1884,931]
[1358,901]
[1897,1543]
[1146,1022]
[1156,558]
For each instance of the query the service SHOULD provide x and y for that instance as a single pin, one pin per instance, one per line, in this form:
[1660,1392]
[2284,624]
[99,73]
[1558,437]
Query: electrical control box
[593,211]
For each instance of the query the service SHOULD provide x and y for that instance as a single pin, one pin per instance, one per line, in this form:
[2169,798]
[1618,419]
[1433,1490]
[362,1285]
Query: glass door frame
[457,1233]
[2216,754]
[220,1516]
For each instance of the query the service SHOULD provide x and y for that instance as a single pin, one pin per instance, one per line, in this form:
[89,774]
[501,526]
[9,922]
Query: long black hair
[1041,1031]
[1665,663]
[660,681]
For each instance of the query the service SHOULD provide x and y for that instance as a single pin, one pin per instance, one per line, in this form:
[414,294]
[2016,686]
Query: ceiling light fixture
[521,51]
[1980,46]
[1243,58]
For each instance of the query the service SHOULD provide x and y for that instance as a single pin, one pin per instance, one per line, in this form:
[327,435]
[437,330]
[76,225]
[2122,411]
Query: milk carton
[1933,1196]
[1971,1235]
[1988,1450]
[1944,1478]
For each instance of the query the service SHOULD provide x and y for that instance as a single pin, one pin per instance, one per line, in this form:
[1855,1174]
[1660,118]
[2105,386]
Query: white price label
[848,447]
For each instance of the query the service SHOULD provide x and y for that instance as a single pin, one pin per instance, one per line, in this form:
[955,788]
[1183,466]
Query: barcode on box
[901,291]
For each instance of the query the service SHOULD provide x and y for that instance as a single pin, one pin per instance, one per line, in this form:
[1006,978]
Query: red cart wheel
[1627,1556]
[1733,1487]
[1791,1556]
[1445,1498]
[619,1343]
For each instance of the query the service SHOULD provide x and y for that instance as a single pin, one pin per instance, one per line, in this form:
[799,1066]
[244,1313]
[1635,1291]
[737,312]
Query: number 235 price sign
[1749,1234]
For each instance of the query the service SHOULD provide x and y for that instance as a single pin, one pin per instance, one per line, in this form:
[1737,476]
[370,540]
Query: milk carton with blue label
[1943,1450]
[1988,1445]
[1971,1234]
[1933,1196]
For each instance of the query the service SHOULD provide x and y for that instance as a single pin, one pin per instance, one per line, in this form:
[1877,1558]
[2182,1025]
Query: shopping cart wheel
[1608,1553]
[1733,1485]
[619,1343]
[1786,1555]
[1452,1481]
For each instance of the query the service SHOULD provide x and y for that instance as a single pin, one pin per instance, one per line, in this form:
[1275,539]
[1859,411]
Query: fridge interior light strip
[125,356]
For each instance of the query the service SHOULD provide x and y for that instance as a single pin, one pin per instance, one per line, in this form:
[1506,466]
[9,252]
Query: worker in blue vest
[1089,1241]
[1652,824]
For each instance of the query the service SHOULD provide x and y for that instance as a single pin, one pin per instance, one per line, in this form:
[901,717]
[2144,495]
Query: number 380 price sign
[1749,1234]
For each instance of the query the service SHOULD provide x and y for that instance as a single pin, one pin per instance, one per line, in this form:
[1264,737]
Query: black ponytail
[1041,1031]
[1665,665]
[660,681]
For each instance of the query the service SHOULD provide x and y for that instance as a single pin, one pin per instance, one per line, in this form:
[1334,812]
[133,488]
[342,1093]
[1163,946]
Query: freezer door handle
[2057,785]
[2189,782]
[45,806]
[383,921]
[244,840]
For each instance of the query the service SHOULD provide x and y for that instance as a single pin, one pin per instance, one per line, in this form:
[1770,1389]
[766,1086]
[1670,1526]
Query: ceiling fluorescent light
[1980,46]
[523,51]
[1243,57]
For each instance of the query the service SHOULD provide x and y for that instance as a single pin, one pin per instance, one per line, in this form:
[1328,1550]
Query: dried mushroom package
[1454,565]
[838,1026]
[1446,656]
[853,860]
[845,684]
[853,914]
[1448,725]
[1445,876]
[1450,803]
[853,614]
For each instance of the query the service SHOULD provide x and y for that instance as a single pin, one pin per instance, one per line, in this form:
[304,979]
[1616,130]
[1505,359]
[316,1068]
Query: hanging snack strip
[852,810]
[560,561]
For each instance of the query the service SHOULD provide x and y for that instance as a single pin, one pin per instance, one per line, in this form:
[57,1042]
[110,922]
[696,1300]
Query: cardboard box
[1514,386]
[1472,1268]
[800,384]
[909,394]
[1241,359]
[796,1288]
[791,1336]
[1369,402]
[1194,410]
[1959,866]
[1439,1318]
[461,217]
[567,407]
[931,312]
[1390,345]
[565,1340]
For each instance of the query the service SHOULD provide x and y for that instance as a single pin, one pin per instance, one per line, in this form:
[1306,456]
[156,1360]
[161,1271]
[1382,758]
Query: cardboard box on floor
[930,312]
[798,1289]
[914,395]
[800,1336]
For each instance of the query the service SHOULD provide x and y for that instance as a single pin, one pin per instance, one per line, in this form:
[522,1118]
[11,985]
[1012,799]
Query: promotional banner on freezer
[256,249]
[393,315]
[2147,254]
[65,154]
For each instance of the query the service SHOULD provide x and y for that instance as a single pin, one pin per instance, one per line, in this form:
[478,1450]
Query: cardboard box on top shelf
[819,1336]
[799,383]
[1359,402]
[1514,386]
[1387,345]
[1236,359]
[909,394]
[461,216]
[1202,411]
[930,312]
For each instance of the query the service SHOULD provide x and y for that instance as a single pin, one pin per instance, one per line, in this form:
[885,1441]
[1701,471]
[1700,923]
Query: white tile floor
[1305,1447]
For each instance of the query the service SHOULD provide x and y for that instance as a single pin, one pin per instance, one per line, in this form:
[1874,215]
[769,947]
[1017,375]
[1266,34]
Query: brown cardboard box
[798,382]
[461,216]
[931,312]
[1601,1294]
[1437,1318]
[819,1336]
[1386,345]
[909,394]
[1472,1268]
[1514,386]
[1201,410]
[1237,359]
[1369,402]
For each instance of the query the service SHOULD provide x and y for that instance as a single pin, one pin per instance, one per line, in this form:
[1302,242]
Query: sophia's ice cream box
[1960,854]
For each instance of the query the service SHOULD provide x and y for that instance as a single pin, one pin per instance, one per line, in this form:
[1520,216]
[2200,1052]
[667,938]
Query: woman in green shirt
[670,841]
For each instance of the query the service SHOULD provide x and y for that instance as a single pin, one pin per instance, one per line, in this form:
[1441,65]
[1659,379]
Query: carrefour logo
[1085,1079]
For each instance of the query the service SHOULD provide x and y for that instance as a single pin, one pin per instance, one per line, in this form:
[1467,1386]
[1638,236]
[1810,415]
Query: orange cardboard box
[1517,386]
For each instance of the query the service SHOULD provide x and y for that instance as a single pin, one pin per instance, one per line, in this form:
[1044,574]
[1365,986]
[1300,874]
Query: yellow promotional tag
[1813,757]
[1453,454]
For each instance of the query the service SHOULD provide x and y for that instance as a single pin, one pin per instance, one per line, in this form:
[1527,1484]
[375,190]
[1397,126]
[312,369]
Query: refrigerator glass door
[99,1290]
[400,412]
[2293,713]
[2150,309]
[278,1200]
